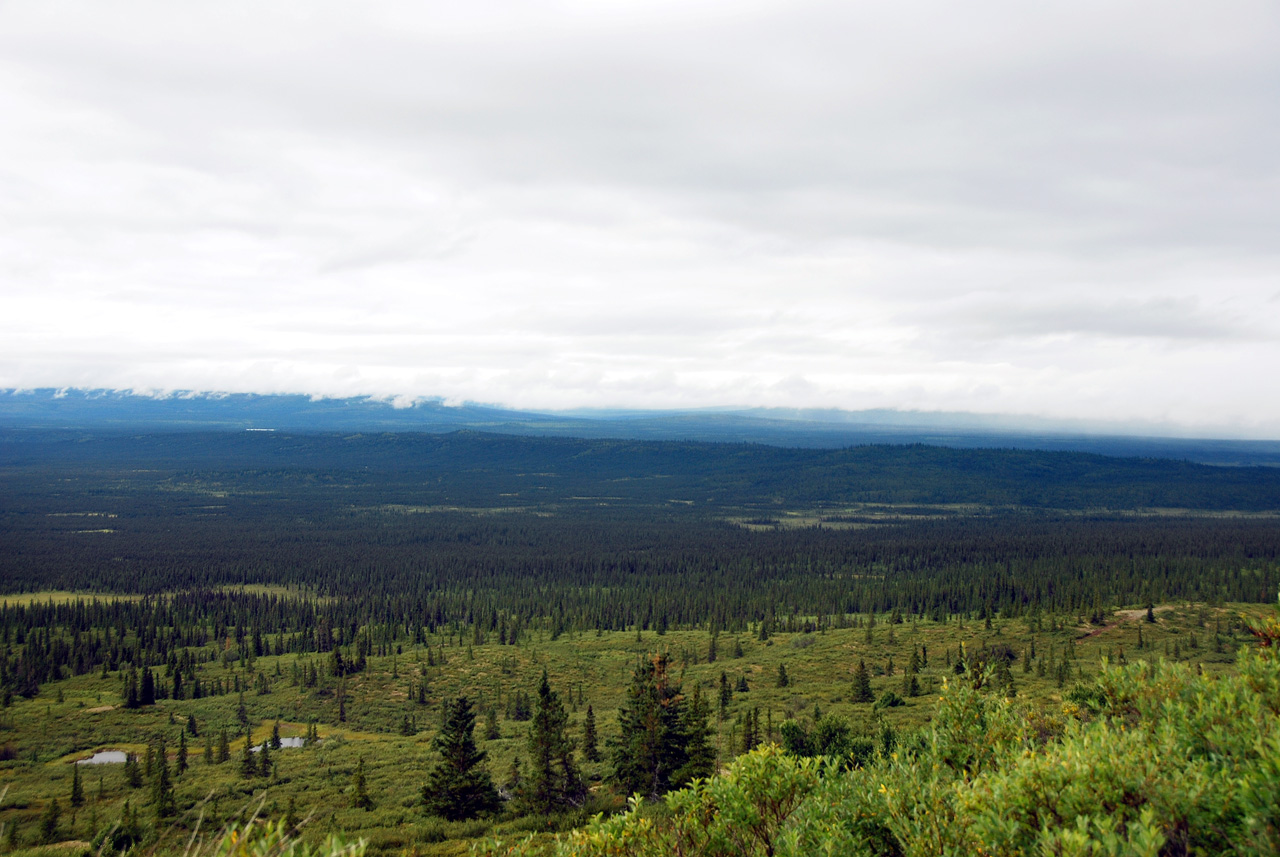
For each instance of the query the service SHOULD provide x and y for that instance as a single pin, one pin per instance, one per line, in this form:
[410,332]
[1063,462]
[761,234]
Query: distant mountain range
[104,410]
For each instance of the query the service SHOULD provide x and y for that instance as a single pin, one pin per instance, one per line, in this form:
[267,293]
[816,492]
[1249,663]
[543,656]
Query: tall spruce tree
[248,762]
[590,740]
[49,822]
[359,787]
[132,775]
[77,788]
[162,800]
[699,755]
[131,688]
[651,754]
[224,747]
[553,782]
[459,786]
[910,680]
[862,684]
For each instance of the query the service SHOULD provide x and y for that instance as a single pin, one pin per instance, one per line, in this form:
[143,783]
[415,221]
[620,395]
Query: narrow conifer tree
[459,786]
[224,747]
[162,800]
[132,775]
[699,755]
[491,730]
[49,822]
[248,763]
[862,684]
[590,741]
[651,755]
[553,781]
[360,789]
[77,788]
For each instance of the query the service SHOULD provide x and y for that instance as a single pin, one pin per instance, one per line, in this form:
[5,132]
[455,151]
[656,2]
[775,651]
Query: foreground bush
[1149,759]
[253,839]
[274,840]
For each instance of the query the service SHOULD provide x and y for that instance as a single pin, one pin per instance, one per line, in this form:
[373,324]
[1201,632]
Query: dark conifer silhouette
[862,684]
[590,740]
[553,781]
[663,739]
[459,786]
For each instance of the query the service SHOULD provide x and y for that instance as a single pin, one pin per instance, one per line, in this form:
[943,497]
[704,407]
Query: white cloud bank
[1067,210]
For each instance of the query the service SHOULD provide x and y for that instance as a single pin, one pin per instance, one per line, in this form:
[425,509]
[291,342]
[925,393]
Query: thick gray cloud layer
[1057,209]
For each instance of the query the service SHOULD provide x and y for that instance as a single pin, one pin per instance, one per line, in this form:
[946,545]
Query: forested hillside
[477,469]
[423,641]
[470,528]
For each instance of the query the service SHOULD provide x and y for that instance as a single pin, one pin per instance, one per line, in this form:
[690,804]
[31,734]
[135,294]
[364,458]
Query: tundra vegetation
[378,739]
[300,657]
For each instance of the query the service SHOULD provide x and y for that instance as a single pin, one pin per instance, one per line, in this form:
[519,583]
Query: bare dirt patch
[1133,615]
[1123,616]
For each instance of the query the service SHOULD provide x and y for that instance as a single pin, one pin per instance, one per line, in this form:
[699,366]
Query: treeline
[479,469]
[363,547]
[617,569]
[501,578]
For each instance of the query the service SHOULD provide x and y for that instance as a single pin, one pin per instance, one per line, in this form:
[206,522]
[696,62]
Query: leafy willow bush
[275,840]
[254,838]
[1147,759]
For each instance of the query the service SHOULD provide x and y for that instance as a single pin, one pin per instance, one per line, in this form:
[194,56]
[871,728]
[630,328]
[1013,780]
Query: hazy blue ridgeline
[501,469]
[101,410]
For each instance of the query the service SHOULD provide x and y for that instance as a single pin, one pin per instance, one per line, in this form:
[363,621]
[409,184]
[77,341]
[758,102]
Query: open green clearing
[76,716]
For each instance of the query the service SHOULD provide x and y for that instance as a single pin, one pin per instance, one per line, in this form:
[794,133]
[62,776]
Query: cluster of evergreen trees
[664,735]
[663,744]
[504,578]
[1143,759]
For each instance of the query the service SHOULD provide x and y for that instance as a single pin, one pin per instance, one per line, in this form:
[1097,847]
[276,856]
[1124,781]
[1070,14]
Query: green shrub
[273,840]
[888,699]
[1147,759]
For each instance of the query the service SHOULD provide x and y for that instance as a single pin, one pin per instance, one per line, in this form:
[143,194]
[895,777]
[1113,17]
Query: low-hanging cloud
[1057,209]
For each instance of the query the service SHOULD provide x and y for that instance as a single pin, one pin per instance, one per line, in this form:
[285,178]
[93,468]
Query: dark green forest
[507,634]
[466,529]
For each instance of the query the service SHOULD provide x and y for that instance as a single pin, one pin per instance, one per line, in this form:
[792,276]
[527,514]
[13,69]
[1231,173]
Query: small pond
[104,757]
[285,742]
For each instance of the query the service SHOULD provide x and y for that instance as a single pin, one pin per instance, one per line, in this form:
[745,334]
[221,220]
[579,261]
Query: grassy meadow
[366,715]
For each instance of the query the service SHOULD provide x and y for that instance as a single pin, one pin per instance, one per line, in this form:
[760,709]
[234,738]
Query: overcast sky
[1060,209]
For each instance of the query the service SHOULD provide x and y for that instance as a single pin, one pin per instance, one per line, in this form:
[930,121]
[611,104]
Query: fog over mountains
[104,410]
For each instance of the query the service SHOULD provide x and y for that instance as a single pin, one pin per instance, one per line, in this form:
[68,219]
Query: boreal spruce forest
[268,643]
